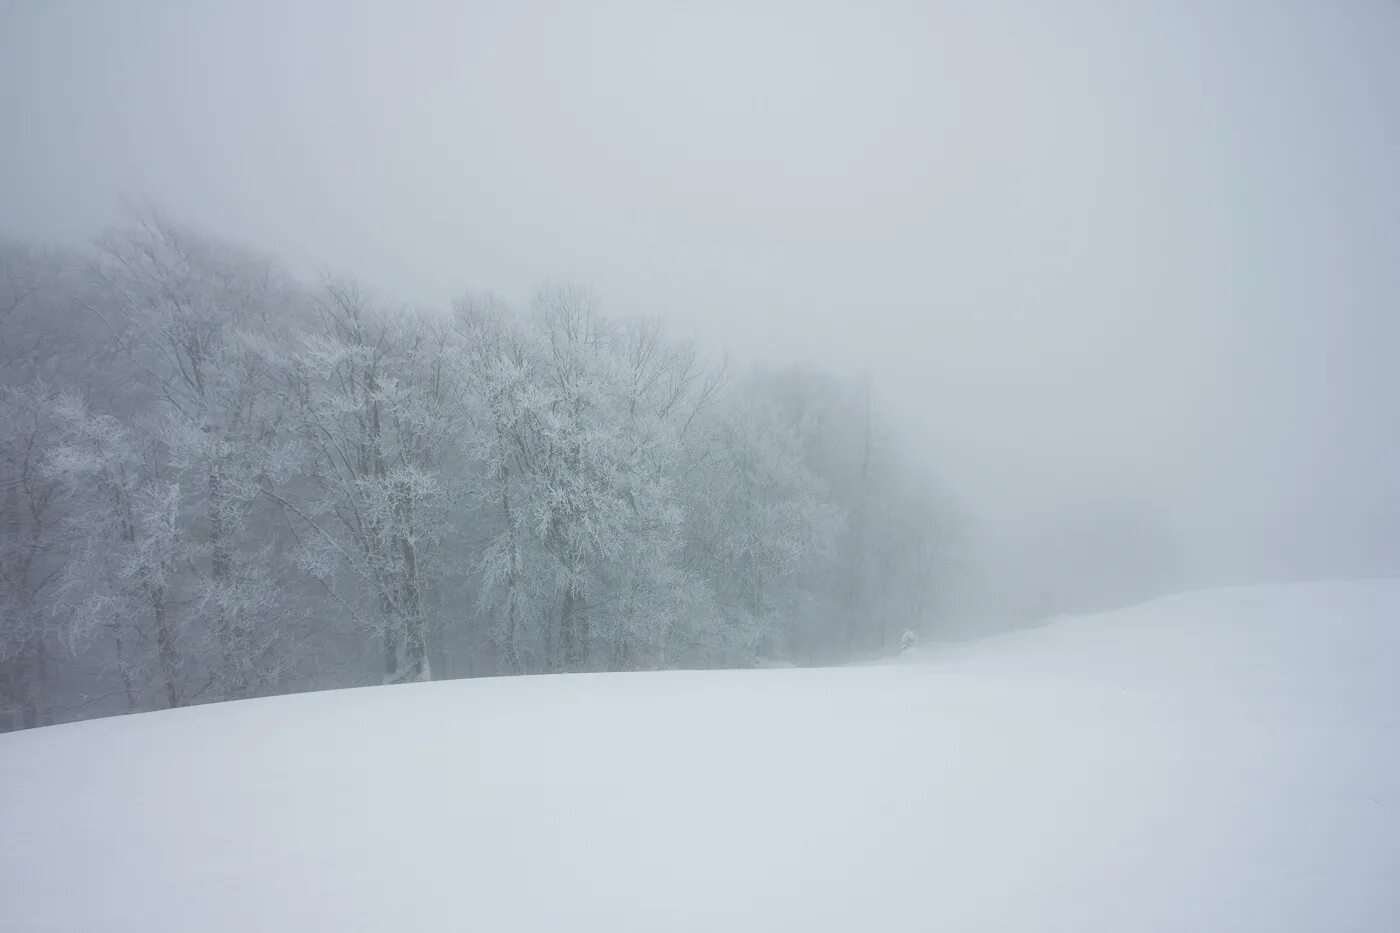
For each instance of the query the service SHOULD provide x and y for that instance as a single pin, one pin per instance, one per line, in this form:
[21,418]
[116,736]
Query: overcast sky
[1141,255]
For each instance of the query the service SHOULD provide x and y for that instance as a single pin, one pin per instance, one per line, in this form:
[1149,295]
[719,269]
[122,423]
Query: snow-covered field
[1226,760]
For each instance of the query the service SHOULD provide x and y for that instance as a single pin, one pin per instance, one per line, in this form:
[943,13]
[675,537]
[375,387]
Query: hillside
[1224,760]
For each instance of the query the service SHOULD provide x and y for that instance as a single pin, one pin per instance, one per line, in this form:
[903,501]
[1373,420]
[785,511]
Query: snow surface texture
[1225,760]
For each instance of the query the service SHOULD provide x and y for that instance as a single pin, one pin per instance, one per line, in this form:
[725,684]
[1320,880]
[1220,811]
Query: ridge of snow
[1220,760]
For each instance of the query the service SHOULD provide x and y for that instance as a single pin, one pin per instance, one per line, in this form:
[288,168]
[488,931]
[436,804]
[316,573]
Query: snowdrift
[1225,760]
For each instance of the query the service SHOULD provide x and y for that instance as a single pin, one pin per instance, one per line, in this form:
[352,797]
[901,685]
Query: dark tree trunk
[165,650]
[391,654]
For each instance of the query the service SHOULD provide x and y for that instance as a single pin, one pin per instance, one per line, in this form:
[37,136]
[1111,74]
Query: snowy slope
[1226,760]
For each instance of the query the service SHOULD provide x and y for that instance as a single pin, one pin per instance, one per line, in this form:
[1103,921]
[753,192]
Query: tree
[30,497]
[583,419]
[500,372]
[195,315]
[758,522]
[205,469]
[121,583]
[379,408]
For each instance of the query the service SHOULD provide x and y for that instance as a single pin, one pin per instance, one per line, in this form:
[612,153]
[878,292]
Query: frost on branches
[219,482]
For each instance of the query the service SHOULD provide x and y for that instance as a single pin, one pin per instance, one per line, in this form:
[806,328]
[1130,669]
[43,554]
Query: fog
[623,465]
[1127,275]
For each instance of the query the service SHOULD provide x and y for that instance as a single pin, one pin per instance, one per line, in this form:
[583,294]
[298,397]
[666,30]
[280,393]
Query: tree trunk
[234,673]
[391,654]
[416,666]
[513,655]
[127,686]
[165,649]
[22,689]
[415,634]
[568,629]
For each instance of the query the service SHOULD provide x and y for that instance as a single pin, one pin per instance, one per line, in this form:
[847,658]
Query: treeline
[216,482]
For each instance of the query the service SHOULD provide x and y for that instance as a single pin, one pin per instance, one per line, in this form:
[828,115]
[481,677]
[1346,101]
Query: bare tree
[122,582]
[379,407]
[193,313]
[30,497]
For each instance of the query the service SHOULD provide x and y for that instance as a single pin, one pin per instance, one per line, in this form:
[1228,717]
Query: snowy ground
[1227,760]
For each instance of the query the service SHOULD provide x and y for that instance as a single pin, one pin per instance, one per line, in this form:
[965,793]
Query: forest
[220,481]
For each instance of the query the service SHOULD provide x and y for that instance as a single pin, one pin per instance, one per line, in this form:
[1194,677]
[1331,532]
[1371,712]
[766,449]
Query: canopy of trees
[216,482]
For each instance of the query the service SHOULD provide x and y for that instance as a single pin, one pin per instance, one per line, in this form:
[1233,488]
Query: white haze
[1128,274]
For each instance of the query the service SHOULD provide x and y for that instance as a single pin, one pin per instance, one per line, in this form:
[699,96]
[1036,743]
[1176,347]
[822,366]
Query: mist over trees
[219,482]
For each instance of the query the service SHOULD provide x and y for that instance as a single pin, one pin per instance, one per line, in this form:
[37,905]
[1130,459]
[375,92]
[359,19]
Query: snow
[1224,760]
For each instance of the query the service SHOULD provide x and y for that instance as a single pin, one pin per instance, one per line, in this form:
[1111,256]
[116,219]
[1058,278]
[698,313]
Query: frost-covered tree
[196,316]
[888,555]
[500,366]
[122,583]
[759,522]
[30,503]
[379,412]
[206,471]
[582,419]
[661,610]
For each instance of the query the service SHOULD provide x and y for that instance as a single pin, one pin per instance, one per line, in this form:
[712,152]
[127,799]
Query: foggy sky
[1124,257]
